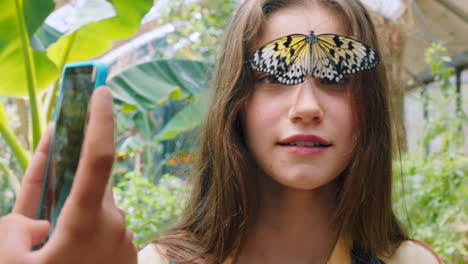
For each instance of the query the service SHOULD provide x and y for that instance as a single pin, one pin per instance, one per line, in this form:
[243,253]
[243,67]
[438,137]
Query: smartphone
[78,81]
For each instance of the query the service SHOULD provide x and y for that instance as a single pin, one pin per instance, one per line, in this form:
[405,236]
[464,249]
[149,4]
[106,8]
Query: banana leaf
[91,38]
[150,84]
[44,37]
[20,65]
[185,120]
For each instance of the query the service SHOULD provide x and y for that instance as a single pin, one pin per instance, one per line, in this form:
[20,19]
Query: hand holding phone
[78,82]
[90,228]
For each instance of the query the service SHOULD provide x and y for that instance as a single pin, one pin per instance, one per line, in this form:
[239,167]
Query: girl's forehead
[300,20]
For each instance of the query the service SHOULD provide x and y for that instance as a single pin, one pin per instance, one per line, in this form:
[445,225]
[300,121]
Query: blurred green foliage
[150,208]
[155,127]
[443,122]
[7,193]
[433,202]
[199,27]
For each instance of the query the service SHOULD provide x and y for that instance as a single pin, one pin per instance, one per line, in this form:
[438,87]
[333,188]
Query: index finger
[27,202]
[98,152]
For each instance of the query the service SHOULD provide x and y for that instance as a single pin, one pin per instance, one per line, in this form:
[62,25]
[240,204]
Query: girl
[256,198]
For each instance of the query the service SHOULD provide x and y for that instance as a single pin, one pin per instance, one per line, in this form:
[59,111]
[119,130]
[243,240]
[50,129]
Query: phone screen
[67,139]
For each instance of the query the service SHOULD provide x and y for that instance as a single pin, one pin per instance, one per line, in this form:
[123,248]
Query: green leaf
[128,108]
[20,65]
[35,12]
[150,84]
[13,78]
[185,120]
[175,95]
[193,77]
[137,86]
[44,36]
[95,38]
[131,145]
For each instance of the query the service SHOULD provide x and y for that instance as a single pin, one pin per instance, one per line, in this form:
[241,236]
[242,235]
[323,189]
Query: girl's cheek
[265,104]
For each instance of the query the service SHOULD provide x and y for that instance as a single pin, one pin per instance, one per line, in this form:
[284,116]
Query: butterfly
[291,58]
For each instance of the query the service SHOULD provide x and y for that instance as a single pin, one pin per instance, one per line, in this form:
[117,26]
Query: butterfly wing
[336,55]
[280,58]
[323,66]
[299,69]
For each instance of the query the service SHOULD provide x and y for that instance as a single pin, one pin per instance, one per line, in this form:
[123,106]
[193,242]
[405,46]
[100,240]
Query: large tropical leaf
[193,77]
[137,86]
[94,38]
[185,120]
[19,20]
[149,84]
[35,12]
[45,36]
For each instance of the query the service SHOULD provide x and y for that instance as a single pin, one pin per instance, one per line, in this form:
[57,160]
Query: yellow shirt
[409,252]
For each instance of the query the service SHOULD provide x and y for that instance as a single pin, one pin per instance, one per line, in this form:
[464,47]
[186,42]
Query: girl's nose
[306,106]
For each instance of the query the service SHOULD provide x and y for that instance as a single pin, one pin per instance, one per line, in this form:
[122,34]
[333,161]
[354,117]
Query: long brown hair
[222,204]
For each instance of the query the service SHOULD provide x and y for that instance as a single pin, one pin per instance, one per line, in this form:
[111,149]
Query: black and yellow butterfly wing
[284,58]
[335,56]
[328,56]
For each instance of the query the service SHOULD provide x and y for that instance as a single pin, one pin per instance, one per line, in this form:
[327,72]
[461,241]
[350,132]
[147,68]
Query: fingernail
[108,95]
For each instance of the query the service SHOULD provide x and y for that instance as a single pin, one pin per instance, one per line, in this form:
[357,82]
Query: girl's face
[276,112]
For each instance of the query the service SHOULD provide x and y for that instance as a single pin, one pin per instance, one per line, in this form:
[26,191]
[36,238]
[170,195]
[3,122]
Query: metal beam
[458,99]
[460,62]
[454,9]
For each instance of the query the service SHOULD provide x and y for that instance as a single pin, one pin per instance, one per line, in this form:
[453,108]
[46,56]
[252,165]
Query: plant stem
[37,127]
[148,150]
[52,96]
[13,142]
[22,106]
[51,100]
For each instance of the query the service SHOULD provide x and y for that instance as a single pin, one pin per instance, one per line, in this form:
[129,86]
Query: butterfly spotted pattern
[291,58]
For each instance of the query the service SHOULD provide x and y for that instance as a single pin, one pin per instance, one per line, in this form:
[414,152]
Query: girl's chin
[303,182]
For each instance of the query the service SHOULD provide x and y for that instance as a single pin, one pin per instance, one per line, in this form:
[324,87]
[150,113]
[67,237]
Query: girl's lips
[302,150]
[305,138]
